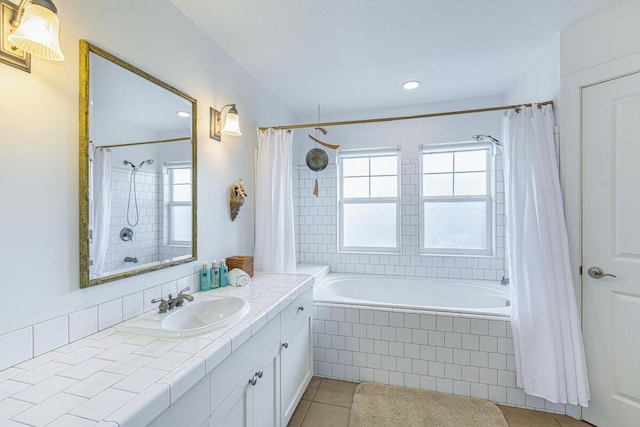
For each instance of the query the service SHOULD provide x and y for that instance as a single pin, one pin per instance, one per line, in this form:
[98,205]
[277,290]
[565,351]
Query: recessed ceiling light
[411,84]
[183,114]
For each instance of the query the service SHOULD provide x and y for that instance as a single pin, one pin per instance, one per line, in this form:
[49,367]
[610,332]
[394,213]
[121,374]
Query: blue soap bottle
[215,275]
[205,278]
[223,271]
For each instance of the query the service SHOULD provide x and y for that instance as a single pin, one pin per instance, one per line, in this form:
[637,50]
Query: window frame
[168,167]
[489,198]
[369,153]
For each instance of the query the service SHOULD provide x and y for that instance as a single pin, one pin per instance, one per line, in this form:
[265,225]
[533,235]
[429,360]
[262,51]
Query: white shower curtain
[100,208]
[275,249]
[549,354]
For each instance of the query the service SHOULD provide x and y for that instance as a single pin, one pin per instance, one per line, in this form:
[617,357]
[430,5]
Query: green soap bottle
[223,271]
[205,278]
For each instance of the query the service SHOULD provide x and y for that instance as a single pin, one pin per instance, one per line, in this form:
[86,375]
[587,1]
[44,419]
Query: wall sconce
[231,123]
[29,29]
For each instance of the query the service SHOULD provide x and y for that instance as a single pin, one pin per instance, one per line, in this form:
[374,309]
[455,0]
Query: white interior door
[611,241]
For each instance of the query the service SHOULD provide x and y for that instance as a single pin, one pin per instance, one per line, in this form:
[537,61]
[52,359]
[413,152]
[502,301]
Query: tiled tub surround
[466,355]
[316,231]
[122,379]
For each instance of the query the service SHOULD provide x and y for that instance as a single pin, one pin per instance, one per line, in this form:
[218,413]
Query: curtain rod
[160,141]
[421,116]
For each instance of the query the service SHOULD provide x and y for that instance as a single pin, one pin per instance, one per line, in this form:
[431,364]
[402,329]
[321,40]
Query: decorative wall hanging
[317,159]
[236,199]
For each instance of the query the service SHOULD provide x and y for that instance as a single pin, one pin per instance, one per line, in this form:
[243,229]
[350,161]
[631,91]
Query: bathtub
[446,335]
[479,297]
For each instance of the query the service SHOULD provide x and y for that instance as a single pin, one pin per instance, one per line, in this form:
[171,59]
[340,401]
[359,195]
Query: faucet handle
[188,288]
[162,308]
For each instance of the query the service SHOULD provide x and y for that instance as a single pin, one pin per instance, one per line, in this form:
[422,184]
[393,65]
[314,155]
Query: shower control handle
[598,273]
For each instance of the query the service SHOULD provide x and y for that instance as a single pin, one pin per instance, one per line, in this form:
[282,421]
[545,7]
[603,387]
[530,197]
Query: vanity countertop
[113,378]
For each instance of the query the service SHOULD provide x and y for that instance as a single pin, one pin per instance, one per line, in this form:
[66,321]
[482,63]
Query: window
[456,199]
[369,200]
[179,203]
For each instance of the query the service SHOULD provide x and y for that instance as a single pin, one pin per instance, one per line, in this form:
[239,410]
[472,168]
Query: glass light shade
[232,124]
[38,33]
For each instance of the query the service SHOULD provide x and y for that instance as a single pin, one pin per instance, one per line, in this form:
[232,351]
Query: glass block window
[369,200]
[456,199]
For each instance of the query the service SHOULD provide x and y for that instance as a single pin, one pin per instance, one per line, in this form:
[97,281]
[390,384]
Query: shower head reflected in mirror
[487,138]
[133,221]
[134,167]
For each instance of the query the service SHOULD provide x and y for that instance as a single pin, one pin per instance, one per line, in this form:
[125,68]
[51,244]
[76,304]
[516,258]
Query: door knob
[597,273]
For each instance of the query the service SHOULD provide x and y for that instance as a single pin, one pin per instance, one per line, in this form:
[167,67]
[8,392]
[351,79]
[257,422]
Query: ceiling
[348,55]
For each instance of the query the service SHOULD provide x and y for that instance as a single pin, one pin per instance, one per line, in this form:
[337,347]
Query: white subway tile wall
[316,226]
[466,356]
[39,339]
[147,243]
[51,334]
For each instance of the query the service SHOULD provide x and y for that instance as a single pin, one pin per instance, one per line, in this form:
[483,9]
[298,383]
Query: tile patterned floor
[327,403]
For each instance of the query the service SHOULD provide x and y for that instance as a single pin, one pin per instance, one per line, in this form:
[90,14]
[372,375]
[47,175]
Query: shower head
[145,162]
[483,138]
[127,162]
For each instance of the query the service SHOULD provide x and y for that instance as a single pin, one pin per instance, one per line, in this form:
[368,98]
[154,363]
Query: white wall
[608,36]
[541,81]
[39,152]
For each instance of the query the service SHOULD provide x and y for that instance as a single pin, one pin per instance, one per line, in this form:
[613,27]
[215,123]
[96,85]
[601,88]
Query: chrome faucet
[171,303]
[504,281]
[179,299]
[162,308]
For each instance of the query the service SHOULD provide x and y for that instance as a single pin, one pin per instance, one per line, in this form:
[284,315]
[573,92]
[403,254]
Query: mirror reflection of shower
[132,190]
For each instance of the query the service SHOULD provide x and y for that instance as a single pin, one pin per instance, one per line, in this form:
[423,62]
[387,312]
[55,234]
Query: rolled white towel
[238,277]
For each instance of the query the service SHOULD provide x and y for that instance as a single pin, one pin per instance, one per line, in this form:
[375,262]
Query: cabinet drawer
[298,310]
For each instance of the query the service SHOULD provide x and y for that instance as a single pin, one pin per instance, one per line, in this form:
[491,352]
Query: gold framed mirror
[138,159]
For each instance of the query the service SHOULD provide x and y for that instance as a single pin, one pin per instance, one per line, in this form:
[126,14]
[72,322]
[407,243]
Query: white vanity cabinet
[261,382]
[255,401]
[296,357]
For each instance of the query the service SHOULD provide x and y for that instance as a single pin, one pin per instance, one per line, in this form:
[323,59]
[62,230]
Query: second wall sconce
[231,124]
[31,28]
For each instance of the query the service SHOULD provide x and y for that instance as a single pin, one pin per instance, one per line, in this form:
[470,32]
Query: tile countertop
[113,378]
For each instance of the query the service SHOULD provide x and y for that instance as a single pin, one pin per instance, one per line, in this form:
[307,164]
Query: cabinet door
[296,360]
[266,392]
[237,408]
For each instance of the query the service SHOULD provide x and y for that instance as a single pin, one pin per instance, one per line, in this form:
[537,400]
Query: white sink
[204,314]
[194,318]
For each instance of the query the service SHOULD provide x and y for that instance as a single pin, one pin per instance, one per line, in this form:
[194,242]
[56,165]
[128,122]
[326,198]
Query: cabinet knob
[254,380]
[259,373]
[285,344]
[301,308]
